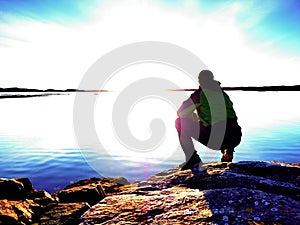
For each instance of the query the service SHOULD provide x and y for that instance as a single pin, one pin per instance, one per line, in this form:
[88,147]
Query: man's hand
[192,116]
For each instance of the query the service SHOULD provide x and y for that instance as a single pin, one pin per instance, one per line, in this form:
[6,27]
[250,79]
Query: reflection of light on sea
[138,120]
[263,109]
[143,111]
[48,120]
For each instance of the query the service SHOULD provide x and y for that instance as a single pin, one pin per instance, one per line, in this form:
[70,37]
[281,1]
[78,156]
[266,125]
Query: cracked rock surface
[221,193]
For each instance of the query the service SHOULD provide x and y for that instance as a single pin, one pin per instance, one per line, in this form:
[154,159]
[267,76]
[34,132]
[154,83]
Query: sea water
[37,140]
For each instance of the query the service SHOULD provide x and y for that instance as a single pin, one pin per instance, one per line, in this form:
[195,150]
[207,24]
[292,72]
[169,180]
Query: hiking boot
[227,157]
[194,161]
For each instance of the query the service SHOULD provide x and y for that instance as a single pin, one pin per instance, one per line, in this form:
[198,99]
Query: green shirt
[212,106]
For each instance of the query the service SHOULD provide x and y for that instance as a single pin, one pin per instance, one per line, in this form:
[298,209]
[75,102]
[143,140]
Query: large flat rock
[221,193]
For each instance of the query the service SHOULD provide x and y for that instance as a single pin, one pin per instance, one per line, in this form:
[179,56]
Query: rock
[110,185]
[258,177]
[119,180]
[63,213]
[156,207]
[18,212]
[276,171]
[41,197]
[221,193]
[224,193]
[12,189]
[190,206]
[244,208]
[7,213]
[22,204]
[90,190]
[90,193]
[26,183]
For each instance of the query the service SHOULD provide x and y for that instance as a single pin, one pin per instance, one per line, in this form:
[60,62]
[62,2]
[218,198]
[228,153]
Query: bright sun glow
[48,55]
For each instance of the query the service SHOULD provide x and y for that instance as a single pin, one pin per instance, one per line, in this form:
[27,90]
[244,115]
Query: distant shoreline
[25,96]
[241,88]
[32,90]
[253,88]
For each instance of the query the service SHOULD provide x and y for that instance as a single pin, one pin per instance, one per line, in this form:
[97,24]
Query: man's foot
[193,162]
[227,157]
[202,167]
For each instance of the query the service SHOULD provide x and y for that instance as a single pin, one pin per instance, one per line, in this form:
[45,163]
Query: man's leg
[231,140]
[187,129]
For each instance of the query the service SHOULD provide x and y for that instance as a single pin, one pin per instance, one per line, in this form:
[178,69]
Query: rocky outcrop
[21,204]
[219,193]
[18,212]
[62,213]
[90,193]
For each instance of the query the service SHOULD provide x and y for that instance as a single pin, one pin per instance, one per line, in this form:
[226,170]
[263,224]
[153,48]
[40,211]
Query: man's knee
[178,124]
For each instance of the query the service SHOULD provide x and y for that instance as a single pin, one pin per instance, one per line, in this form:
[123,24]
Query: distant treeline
[264,88]
[15,89]
[25,96]
[249,88]
[252,88]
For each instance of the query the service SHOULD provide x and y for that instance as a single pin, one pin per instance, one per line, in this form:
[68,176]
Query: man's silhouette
[214,112]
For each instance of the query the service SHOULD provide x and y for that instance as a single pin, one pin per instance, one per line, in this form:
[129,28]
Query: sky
[52,43]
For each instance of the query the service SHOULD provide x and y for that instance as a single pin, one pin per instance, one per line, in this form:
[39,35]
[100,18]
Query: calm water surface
[37,140]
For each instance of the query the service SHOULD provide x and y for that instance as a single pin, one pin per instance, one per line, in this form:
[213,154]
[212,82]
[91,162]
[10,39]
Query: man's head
[205,76]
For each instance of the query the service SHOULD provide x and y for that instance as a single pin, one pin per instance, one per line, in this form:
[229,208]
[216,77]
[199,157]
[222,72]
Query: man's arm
[188,106]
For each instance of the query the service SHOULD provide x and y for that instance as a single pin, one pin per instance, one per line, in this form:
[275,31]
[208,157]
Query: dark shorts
[223,135]
[233,135]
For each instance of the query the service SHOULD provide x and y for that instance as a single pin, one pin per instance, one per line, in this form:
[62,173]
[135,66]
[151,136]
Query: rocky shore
[247,192]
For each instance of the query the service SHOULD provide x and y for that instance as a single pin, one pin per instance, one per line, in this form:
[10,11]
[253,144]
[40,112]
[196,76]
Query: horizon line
[251,88]
[237,88]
